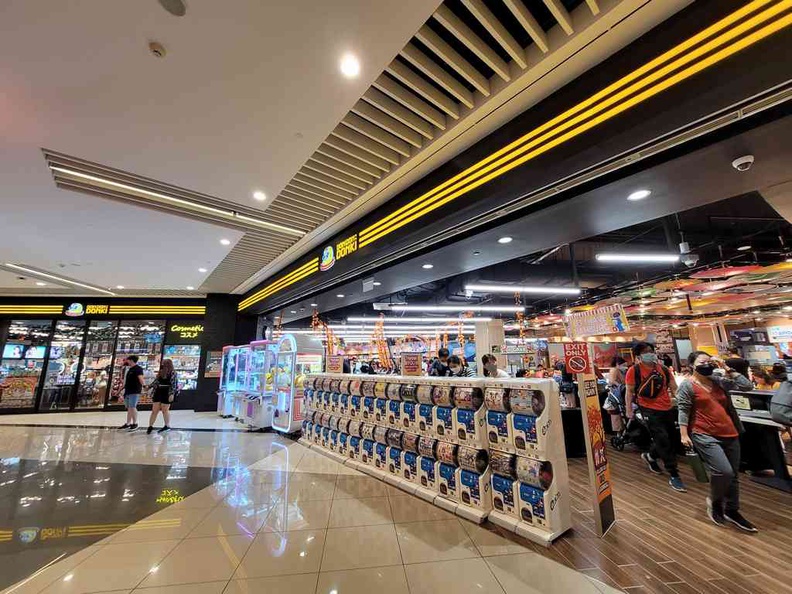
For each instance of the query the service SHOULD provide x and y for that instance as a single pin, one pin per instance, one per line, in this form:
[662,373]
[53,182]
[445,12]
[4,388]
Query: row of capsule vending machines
[480,448]
[261,383]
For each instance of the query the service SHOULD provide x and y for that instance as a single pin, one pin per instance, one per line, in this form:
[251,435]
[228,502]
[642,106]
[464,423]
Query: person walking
[709,423]
[134,380]
[163,391]
[653,385]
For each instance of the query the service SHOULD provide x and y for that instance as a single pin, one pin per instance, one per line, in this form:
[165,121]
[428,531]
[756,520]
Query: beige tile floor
[290,520]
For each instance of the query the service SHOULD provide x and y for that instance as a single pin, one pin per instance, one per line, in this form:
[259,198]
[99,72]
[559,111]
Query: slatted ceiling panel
[411,101]
[325,150]
[418,85]
[497,30]
[292,193]
[385,138]
[331,182]
[388,123]
[400,113]
[307,178]
[529,23]
[419,60]
[443,50]
[346,147]
[339,173]
[366,144]
[561,14]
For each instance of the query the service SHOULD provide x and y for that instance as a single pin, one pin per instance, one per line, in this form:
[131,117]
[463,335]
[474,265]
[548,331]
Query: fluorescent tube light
[637,258]
[542,290]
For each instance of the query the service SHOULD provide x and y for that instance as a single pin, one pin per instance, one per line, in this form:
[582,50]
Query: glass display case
[262,357]
[143,338]
[297,356]
[64,361]
[97,364]
[22,362]
[186,359]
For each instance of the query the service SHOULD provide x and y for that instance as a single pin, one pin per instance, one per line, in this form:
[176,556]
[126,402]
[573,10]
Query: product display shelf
[373,424]
[530,477]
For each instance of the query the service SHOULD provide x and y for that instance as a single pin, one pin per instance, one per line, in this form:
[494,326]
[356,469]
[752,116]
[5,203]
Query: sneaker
[738,520]
[149,430]
[132,427]
[124,426]
[164,429]
[677,484]
[715,515]
[651,463]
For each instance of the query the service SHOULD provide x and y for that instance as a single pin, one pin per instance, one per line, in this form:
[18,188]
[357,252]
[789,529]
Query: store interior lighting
[539,290]
[59,279]
[459,308]
[413,320]
[638,258]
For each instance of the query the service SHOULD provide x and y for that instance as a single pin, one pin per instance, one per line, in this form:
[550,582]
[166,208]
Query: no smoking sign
[576,357]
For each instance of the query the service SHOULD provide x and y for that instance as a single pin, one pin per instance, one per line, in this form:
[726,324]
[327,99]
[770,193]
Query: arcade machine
[240,389]
[297,356]
[258,408]
[232,379]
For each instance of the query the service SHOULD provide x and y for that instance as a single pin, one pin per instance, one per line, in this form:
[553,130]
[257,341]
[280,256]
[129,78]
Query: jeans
[131,400]
[662,427]
[722,457]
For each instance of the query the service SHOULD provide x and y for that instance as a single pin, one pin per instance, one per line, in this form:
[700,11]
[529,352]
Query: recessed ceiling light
[639,195]
[377,284]
[294,311]
[340,295]
[505,240]
[314,305]
[350,66]
[478,253]
[119,286]
[427,266]
[225,242]
[756,311]
[743,248]
[259,195]
[40,284]
[202,270]
[190,288]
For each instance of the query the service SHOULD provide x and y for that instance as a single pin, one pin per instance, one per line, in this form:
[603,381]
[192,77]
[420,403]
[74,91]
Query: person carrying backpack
[653,385]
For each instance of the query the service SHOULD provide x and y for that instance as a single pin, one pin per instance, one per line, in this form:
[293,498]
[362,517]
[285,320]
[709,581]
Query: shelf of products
[142,338]
[64,360]
[97,364]
[22,362]
[437,438]
[186,360]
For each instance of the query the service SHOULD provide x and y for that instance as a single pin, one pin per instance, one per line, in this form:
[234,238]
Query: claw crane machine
[258,408]
[233,381]
[298,355]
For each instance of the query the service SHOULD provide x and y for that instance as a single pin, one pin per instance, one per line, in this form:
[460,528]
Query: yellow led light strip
[285,281]
[161,310]
[726,52]
[375,231]
[382,228]
[44,309]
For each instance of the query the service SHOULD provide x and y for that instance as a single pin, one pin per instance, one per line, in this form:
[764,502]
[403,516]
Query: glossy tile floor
[279,518]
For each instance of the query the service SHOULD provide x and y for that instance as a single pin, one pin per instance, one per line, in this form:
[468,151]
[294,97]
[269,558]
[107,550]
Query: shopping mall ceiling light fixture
[225,213]
[415,320]
[314,305]
[377,284]
[459,308]
[259,196]
[638,258]
[639,195]
[538,290]
[190,288]
[505,240]
[202,270]
[120,287]
[350,66]
[56,278]
[225,242]
[744,248]
[340,295]
[427,266]
[40,284]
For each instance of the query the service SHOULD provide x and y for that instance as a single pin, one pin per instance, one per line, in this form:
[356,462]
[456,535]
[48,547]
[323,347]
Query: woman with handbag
[709,423]
[163,391]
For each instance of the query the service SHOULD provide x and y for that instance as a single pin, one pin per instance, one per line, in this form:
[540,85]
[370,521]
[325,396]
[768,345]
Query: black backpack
[650,387]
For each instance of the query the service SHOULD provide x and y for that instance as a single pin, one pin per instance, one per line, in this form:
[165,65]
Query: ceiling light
[259,195]
[744,248]
[787,307]
[225,242]
[451,308]
[523,289]
[340,295]
[59,279]
[505,240]
[377,284]
[294,311]
[202,270]
[190,288]
[350,66]
[639,195]
[226,213]
[478,253]
[40,284]
[637,258]
[314,305]
[406,320]
[756,311]
[119,286]
[427,266]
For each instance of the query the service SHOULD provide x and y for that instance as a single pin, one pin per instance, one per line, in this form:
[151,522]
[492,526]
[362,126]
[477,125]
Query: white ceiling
[247,91]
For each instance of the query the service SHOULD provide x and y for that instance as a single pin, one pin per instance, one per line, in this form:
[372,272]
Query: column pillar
[489,334]
[219,330]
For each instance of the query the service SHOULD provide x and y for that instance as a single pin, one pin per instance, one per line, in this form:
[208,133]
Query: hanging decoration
[382,344]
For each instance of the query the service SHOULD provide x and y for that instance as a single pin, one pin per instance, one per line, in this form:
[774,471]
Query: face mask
[623,368]
[649,358]
[706,369]
[455,369]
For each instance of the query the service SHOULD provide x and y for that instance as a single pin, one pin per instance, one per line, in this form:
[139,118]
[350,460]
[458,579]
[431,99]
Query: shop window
[25,349]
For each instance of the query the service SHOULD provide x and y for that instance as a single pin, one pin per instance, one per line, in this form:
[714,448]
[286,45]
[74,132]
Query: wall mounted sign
[335,364]
[412,364]
[214,364]
[184,332]
[779,333]
[610,319]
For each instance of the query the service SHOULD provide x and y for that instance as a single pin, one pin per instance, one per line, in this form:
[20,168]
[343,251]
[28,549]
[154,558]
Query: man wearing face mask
[709,422]
[653,385]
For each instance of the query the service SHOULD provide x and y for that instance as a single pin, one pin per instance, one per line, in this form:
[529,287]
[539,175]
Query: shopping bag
[697,466]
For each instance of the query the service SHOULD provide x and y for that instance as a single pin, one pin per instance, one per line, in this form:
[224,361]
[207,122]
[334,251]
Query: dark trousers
[662,427]
[722,457]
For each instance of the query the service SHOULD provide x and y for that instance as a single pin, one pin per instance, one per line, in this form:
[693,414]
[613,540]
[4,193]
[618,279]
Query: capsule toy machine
[298,356]
[258,407]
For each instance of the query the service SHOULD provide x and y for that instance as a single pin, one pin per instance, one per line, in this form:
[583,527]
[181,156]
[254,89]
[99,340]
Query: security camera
[690,260]
[743,163]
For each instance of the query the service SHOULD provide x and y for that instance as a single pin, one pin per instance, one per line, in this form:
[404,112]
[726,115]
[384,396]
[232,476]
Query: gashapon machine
[297,356]
[260,388]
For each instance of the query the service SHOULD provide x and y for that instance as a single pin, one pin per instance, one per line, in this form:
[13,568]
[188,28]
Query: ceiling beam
[339,173]
[426,90]
[497,30]
[351,160]
[322,186]
[365,143]
[474,43]
[327,183]
[451,57]
[560,14]
[350,149]
[593,6]
[398,112]
[344,167]
[411,101]
[328,204]
[388,123]
[529,23]
[430,68]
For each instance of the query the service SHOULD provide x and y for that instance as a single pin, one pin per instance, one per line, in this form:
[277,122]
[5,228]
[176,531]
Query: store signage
[579,354]
[93,309]
[214,364]
[170,496]
[411,364]
[610,319]
[328,259]
[779,333]
[75,310]
[335,364]
[181,332]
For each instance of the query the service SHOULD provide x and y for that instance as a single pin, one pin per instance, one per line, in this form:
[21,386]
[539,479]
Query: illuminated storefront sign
[193,331]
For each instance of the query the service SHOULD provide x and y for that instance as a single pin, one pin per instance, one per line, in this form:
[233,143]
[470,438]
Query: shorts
[131,400]
[162,398]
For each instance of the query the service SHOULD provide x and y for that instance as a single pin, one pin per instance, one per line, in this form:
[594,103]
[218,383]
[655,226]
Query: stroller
[634,431]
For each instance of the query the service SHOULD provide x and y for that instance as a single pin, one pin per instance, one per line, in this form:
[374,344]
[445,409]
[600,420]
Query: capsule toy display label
[470,426]
[353,450]
[426,419]
[504,498]
[381,410]
[343,407]
[335,402]
[532,505]
[410,466]
[474,489]
[524,435]
[327,401]
[447,481]
[427,472]
[444,422]
[409,418]
[395,461]
[499,430]
[367,452]
[368,408]
[355,403]
[394,413]
[381,456]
